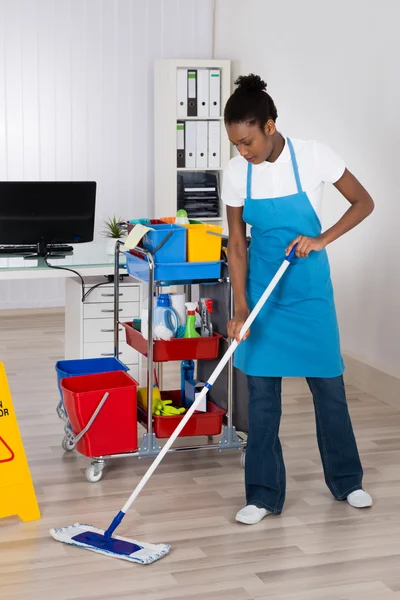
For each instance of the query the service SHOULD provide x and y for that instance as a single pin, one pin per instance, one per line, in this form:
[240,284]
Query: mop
[104,542]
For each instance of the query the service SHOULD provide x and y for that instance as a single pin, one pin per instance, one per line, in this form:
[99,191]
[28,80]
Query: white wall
[333,71]
[76,99]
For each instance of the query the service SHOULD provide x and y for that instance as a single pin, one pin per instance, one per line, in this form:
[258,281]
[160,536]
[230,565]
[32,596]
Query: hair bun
[251,83]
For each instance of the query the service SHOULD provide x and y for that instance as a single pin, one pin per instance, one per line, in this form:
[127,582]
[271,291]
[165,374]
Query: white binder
[203,94]
[215,92]
[201,145]
[181,92]
[190,144]
[214,144]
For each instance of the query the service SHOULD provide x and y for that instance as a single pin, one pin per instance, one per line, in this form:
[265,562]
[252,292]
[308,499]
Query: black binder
[180,144]
[192,93]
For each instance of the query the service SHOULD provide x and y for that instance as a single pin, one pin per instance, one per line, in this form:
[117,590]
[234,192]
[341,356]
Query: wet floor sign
[17,494]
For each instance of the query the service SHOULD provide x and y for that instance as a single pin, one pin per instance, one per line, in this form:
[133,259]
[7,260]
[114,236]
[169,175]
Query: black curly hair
[250,102]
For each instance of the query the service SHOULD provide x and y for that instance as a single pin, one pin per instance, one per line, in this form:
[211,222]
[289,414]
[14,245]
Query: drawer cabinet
[89,325]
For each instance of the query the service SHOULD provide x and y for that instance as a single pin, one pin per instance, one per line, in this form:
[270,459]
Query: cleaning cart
[160,262]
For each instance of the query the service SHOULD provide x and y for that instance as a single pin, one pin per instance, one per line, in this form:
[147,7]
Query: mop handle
[210,382]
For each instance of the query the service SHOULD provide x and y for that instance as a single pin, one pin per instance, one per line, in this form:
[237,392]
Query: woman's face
[253,143]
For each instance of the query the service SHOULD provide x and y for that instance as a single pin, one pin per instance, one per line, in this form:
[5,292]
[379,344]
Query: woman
[276,186]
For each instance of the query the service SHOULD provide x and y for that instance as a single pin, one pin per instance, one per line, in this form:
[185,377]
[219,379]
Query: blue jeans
[264,468]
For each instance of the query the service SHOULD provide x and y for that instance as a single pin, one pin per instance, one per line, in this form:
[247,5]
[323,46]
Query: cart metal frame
[149,446]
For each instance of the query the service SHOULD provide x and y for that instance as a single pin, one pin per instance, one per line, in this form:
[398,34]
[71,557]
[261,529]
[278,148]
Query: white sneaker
[359,499]
[251,514]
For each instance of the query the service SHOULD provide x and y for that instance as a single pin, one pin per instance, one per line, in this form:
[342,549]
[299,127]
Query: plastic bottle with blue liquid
[187,373]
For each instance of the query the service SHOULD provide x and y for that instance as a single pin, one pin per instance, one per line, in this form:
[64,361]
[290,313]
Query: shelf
[166,172]
[199,169]
[209,219]
[199,118]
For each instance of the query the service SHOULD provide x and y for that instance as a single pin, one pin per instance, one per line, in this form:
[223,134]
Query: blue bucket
[174,249]
[87,366]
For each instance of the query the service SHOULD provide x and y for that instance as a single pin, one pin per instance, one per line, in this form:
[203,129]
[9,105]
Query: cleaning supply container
[138,267]
[208,423]
[167,241]
[206,348]
[114,430]
[204,242]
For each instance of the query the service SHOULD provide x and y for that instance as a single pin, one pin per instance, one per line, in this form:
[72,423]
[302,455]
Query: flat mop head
[91,538]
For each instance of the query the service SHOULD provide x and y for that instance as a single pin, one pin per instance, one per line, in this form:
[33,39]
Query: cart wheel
[243,458]
[67,444]
[94,474]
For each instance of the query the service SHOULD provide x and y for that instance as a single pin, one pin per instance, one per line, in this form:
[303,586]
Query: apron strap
[295,166]
[248,185]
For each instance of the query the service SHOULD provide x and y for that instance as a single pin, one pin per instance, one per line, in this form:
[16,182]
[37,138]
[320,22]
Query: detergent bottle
[165,321]
[181,217]
[190,331]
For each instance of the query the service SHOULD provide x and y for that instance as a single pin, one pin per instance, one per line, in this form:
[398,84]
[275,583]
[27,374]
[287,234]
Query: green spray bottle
[190,331]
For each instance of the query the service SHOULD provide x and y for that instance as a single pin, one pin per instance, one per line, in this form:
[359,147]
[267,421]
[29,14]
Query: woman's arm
[362,205]
[237,260]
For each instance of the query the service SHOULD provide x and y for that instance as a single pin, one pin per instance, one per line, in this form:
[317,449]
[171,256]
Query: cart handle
[76,438]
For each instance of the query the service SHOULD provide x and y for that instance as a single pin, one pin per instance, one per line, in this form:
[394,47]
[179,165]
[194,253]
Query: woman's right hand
[235,325]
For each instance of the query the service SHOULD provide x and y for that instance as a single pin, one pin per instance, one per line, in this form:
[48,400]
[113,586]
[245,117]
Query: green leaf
[113,229]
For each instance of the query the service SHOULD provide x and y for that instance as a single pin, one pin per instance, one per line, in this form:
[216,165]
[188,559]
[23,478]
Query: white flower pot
[110,244]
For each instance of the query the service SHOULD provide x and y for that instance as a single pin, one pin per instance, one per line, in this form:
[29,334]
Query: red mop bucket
[114,430]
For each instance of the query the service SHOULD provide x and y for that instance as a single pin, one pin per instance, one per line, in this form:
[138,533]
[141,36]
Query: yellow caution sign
[17,494]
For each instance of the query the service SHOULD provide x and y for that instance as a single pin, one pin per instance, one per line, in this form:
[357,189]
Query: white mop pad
[144,554]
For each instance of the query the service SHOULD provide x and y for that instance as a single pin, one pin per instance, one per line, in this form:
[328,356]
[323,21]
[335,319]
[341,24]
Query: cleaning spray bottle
[190,331]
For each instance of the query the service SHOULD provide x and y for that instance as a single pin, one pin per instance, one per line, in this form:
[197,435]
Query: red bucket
[114,431]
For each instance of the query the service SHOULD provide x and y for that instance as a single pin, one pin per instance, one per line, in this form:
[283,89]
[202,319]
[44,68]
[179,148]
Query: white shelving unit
[165,133]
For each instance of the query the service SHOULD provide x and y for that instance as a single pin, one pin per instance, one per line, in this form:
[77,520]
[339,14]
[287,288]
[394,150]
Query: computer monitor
[42,213]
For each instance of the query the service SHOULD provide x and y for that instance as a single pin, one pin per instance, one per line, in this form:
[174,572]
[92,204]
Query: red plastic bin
[152,222]
[115,428]
[205,348]
[200,423]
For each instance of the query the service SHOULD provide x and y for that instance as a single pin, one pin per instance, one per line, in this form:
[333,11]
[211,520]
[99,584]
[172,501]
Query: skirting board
[372,381]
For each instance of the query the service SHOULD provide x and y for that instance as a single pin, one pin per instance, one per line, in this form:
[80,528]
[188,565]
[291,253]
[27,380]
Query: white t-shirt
[317,163]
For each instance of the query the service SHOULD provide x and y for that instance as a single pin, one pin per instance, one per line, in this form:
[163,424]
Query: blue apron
[296,333]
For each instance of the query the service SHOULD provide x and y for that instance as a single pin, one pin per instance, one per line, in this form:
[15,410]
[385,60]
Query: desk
[89,325]
[88,259]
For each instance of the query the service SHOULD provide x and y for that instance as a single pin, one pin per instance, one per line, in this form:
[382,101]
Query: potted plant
[113,231]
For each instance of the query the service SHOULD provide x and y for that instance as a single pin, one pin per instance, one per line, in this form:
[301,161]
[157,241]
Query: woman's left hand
[305,245]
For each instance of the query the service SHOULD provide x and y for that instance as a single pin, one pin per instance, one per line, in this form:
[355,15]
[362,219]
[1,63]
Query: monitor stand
[44,250]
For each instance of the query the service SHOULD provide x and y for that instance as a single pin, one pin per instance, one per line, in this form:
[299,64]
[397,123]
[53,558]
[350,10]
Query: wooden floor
[318,549]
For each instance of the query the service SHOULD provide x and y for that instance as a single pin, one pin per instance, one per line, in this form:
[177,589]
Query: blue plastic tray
[174,249]
[87,366]
[138,267]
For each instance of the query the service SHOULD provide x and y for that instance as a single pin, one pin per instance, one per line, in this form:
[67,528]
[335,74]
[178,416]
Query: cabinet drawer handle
[110,310]
[110,330]
[109,354]
[110,295]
